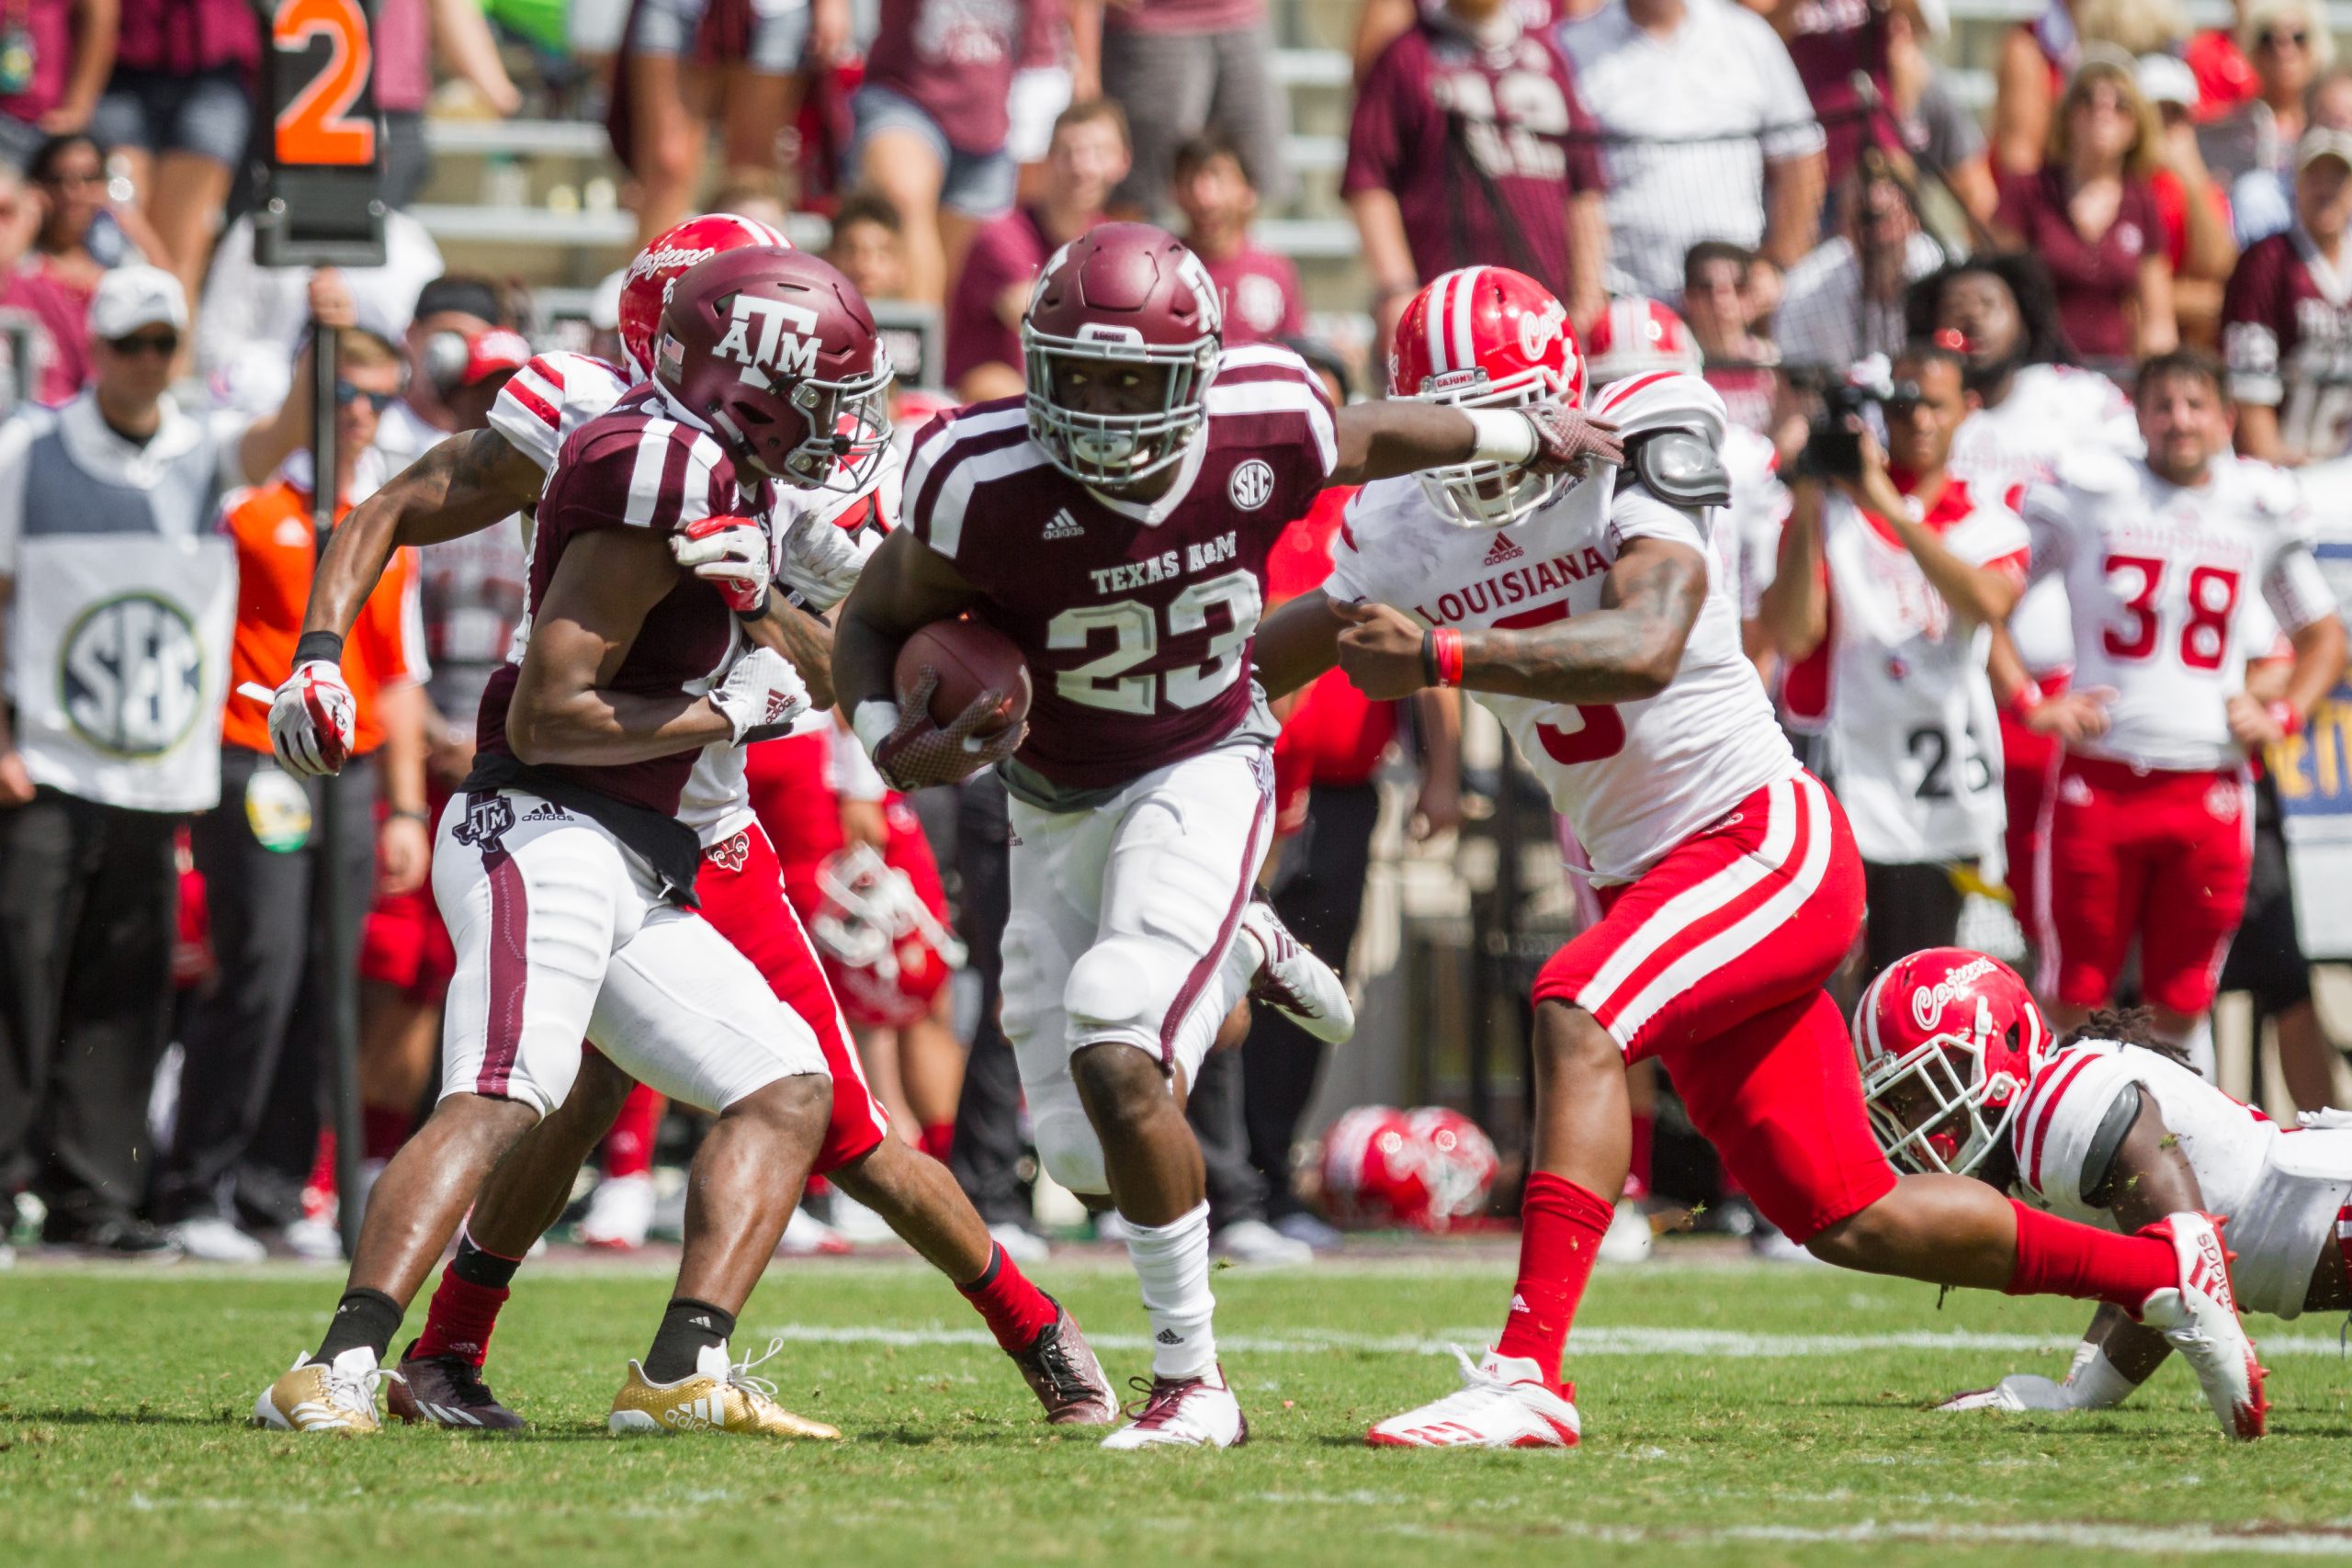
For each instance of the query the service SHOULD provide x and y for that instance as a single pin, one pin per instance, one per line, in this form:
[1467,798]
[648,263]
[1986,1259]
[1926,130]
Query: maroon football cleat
[447,1391]
[1064,1375]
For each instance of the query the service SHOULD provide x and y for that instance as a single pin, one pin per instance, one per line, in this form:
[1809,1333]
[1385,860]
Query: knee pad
[1121,989]
[1069,1151]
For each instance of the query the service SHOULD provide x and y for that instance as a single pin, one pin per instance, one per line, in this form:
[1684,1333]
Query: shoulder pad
[2096,469]
[2277,492]
[1666,400]
[1679,467]
[2107,1141]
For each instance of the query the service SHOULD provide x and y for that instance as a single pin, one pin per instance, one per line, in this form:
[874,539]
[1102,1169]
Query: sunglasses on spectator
[2268,39]
[66,177]
[165,344]
[346,394]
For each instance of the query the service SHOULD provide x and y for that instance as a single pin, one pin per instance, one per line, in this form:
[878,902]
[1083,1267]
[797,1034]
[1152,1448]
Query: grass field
[1734,1412]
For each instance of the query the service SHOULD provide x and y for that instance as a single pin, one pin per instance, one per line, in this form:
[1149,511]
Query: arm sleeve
[1635,513]
[2294,587]
[544,401]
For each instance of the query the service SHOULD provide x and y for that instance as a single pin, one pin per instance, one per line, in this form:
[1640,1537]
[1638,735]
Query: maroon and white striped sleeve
[955,453]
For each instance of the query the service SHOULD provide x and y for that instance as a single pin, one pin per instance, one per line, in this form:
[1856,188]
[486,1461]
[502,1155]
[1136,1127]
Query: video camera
[1833,443]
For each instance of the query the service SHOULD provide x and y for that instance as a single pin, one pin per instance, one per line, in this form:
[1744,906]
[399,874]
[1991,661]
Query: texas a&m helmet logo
[767,335]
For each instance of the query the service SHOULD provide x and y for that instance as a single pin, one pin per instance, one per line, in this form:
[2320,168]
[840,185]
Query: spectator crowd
[1918,320]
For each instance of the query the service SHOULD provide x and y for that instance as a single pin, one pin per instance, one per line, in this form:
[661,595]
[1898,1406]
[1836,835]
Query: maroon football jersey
[634,468]
[2287,332]
[1135,621]
[1440,120]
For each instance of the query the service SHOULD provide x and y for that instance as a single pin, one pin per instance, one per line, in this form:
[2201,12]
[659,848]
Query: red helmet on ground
[1947,1040]
[776,354]
[1375,1169]
[884,952]
[1461,1164]
[1487,337]
[1636,336]
[645,284]
[1123,297]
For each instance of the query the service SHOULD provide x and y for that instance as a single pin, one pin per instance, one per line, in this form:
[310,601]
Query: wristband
[2027,698]
[1428,659]
[1445,655]
[324,647]
[1501,436]
[410,813]
[2288,718]
[873,722]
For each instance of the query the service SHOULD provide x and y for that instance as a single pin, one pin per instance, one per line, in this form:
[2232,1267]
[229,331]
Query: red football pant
[1712,961]
[2029,776]
[2161,855]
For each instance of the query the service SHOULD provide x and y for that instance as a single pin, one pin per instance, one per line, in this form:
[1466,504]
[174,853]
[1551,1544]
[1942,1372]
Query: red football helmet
[1130,296]
[1947,1040]
[1486,337]
[1375,1169]
[1637,335]
[1461,1164]
[645,284]
[885,952]
[777,353]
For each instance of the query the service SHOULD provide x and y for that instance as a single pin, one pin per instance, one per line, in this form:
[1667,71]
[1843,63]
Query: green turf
[124,1394]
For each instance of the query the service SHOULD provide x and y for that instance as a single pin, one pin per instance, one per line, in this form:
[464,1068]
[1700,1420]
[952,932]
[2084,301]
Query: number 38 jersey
[1635,778]
[2156,576]
[1136,620]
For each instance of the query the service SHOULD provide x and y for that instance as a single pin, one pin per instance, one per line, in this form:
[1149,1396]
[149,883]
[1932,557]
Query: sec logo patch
[1253,485]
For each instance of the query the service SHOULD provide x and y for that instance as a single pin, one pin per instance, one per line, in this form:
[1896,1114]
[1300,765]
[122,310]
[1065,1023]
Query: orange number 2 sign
[317,125]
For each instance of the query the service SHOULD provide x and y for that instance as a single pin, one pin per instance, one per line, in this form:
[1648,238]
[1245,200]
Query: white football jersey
[2052,409]
[1633,779]
[2156,578]
[1899,684]
[2279,1187]
[549,398]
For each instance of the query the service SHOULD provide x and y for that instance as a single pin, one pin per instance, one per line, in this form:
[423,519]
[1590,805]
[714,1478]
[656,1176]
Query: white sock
[2199,1044]
[1172,1263]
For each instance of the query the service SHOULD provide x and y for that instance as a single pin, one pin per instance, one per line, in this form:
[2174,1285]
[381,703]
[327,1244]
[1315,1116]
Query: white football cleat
[2198,1317]
[333,1396]
[1192,1412]
[806,1236]
[1293,981]
[620,1211]
[1255,1241]
[1503,1402]
[209,1238]
[1629,1238]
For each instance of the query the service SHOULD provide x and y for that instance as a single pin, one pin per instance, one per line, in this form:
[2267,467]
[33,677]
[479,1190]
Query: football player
[1729,880]
[564,874]
[2108,1125]
[1115,524]
[738,880]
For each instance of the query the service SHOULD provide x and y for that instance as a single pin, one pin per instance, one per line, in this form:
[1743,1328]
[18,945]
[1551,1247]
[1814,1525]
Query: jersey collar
[1153,514]
[2334,286]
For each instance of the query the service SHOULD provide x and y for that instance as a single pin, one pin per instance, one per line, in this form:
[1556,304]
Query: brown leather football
[971,659]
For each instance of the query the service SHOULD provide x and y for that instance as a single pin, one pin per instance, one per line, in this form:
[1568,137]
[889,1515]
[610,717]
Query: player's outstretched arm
[1627,650]
[1397,435]
[1296,643]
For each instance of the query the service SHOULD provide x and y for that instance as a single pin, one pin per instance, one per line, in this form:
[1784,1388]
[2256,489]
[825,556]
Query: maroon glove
[1566,439]
[919,754]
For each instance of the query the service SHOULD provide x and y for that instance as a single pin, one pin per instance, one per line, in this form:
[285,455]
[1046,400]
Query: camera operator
[1891,575]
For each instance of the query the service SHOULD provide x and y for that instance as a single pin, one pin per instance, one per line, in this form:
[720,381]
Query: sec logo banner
[1253,485]
[130,678]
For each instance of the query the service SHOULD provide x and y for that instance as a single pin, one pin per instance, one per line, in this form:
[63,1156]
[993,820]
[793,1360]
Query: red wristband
[2288,718]
[2027,698]
[1445,643]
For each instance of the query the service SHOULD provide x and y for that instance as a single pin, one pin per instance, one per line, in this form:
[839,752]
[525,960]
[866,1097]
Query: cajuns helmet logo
[786,353]
[1538,330]
[669,258]
[1927,1002]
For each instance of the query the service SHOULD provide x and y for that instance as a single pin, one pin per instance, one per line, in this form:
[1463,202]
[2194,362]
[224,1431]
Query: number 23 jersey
[1632,778]
[1134,620]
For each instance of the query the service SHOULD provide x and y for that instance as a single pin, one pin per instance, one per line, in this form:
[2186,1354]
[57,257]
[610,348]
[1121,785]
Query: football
[971,659]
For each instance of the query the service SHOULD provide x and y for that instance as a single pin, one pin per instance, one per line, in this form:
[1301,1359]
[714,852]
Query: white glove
[821,560]
[313,719]
[761,696]
[732,554]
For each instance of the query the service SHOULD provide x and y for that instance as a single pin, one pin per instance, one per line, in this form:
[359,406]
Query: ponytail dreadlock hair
[2127,1026]
[2028,281]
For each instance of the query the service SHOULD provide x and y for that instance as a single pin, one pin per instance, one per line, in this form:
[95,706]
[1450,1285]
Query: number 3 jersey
[2156,576]
[1136,620]
[1632,778]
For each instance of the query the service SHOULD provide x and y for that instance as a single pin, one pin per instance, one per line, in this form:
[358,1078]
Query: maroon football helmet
[776,354]
[1122,295]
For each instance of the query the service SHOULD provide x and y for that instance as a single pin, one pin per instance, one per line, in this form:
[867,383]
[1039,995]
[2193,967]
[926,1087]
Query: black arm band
[1429,660]
[325,647]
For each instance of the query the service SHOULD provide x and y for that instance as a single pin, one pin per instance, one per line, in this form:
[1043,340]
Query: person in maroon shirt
[2091,215]
[1086,158]
[2287,319]
[1218,199]
[1185,66]
[53,84]
[1468,146]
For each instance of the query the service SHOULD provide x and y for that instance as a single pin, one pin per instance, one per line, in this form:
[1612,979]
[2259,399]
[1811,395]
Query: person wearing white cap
[2286,322]
[118,602]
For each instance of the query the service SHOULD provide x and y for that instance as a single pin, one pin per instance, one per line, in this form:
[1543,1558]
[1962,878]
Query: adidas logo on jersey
[1062,525]
[1503,550]
[547,811]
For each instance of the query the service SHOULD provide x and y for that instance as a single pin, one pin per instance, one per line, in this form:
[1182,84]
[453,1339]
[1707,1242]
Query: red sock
[322,1177]
[937,1139]
[1016,1311]
[1561,1225]
[628,1147]
[1638,1174]
[383,1130]
[464,1310]
[2059,1257]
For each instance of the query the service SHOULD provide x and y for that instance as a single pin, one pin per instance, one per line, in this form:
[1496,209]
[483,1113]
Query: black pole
[341,996]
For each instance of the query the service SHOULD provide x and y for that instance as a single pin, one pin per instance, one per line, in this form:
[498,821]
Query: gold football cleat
[719,1397]
[318,1396]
